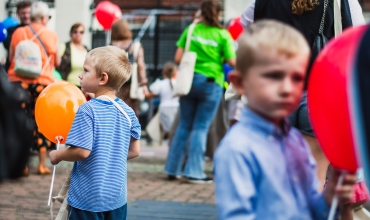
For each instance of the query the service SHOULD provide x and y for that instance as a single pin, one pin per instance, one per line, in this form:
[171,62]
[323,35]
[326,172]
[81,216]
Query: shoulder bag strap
[337,18]
[322,23]
[188,38]
[42,44]
[37,36]
[117,106]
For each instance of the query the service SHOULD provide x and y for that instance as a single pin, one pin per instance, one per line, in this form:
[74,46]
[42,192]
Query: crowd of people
[264,167]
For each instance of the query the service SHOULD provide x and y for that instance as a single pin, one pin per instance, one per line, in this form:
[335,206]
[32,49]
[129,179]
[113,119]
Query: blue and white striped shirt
[99,183]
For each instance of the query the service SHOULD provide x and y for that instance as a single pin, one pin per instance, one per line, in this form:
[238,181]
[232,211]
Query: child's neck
[110,93]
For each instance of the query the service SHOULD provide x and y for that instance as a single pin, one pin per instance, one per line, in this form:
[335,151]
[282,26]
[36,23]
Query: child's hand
[54,157]
[344,191]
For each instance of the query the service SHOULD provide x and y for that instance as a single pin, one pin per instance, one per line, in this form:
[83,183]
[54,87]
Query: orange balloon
[56,108]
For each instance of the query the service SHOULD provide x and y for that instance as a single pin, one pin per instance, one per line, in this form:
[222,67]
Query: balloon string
[58,139]
[334,203]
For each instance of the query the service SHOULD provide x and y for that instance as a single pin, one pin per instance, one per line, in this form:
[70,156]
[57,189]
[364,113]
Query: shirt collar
[251,118]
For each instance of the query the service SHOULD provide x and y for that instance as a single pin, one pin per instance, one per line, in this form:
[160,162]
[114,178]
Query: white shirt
[165,92]
[247,17]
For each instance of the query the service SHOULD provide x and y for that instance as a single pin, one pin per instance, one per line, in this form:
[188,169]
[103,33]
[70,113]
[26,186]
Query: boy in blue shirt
[263,167]
[102,138]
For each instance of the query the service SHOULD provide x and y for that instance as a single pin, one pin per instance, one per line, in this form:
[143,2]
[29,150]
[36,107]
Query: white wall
[69,12]
[234,8]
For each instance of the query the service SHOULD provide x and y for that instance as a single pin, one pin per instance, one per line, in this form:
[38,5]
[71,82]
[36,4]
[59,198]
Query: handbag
[63,193]
[186,68]
[321,40]
[136,91]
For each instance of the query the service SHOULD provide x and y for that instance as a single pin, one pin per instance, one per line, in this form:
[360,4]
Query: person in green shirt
[214,46]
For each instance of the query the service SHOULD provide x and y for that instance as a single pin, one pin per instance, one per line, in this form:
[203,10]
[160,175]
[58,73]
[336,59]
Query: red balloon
[235,28]
[328,99]
[107,13]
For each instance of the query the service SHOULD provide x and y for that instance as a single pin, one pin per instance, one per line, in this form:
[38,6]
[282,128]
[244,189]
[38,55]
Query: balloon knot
[59,138]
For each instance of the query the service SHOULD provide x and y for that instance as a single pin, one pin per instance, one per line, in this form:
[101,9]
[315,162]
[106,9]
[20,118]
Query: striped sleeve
[136,127]
[81,133]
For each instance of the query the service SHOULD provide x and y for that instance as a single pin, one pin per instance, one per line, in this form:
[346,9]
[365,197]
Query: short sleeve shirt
[99,182]
[49,39]
[213,46]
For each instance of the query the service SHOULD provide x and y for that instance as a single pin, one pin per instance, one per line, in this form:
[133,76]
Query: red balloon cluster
[107,13]
[235,28]
[329,99]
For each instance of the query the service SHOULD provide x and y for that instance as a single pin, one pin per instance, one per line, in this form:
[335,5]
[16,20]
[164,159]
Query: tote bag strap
[118,107]
[337,18]
[188,38]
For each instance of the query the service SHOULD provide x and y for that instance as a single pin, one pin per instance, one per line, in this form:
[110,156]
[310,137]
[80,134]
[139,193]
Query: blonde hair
[299,6]
[121,31]
[114,62]
[39,10]
[268,35]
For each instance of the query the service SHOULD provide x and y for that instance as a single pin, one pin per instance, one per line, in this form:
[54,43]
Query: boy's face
[274,85]
[89,81]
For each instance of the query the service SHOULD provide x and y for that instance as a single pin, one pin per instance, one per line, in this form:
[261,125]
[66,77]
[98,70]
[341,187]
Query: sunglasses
[81,32]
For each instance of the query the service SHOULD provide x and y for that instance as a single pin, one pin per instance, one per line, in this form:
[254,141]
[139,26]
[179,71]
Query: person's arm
[134,149]
[143,80]
[148,94]
[80,138]
[356,13]
[11,53]
[181,43]
[234,184]
[178,55]
[68,154]
[247,17]
[58,58]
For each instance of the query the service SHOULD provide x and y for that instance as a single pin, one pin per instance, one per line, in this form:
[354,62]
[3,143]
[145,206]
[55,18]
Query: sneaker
[172,177]
[206,180]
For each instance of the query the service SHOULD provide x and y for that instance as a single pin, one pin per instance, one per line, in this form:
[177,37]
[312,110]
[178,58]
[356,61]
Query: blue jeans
[78,214]
[197,110]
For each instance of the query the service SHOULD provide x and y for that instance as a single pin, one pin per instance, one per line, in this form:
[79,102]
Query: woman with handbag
[121,37]
[73,55]
[46,41]
[213,45]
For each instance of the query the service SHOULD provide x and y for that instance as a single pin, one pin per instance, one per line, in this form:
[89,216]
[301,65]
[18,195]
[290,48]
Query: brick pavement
[27,197]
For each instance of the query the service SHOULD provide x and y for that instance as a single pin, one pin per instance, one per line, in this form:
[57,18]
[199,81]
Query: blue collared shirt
[263,172]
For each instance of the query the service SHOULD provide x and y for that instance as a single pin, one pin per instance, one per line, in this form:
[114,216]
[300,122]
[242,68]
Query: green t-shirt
[213,45]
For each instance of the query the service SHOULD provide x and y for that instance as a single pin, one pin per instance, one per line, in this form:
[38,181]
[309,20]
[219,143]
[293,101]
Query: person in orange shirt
[34,86]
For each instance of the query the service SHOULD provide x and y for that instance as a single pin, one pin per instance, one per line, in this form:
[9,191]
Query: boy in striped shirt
[102,139]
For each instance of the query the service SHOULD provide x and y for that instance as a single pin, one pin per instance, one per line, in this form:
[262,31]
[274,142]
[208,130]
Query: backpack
[28,59]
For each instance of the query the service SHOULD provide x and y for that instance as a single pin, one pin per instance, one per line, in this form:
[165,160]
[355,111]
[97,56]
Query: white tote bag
[186,69]
[136,91]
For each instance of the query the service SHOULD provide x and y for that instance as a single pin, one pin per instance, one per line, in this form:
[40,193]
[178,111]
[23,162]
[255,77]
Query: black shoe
[206,180]
[172,177]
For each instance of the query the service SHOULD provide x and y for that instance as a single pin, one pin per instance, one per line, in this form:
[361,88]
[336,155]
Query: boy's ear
[237,81]
[103,79]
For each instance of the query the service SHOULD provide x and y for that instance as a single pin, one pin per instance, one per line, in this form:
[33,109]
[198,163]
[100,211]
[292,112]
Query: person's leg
[24,97]
[78,214]
[177,151]
[209,94]
[117,214]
